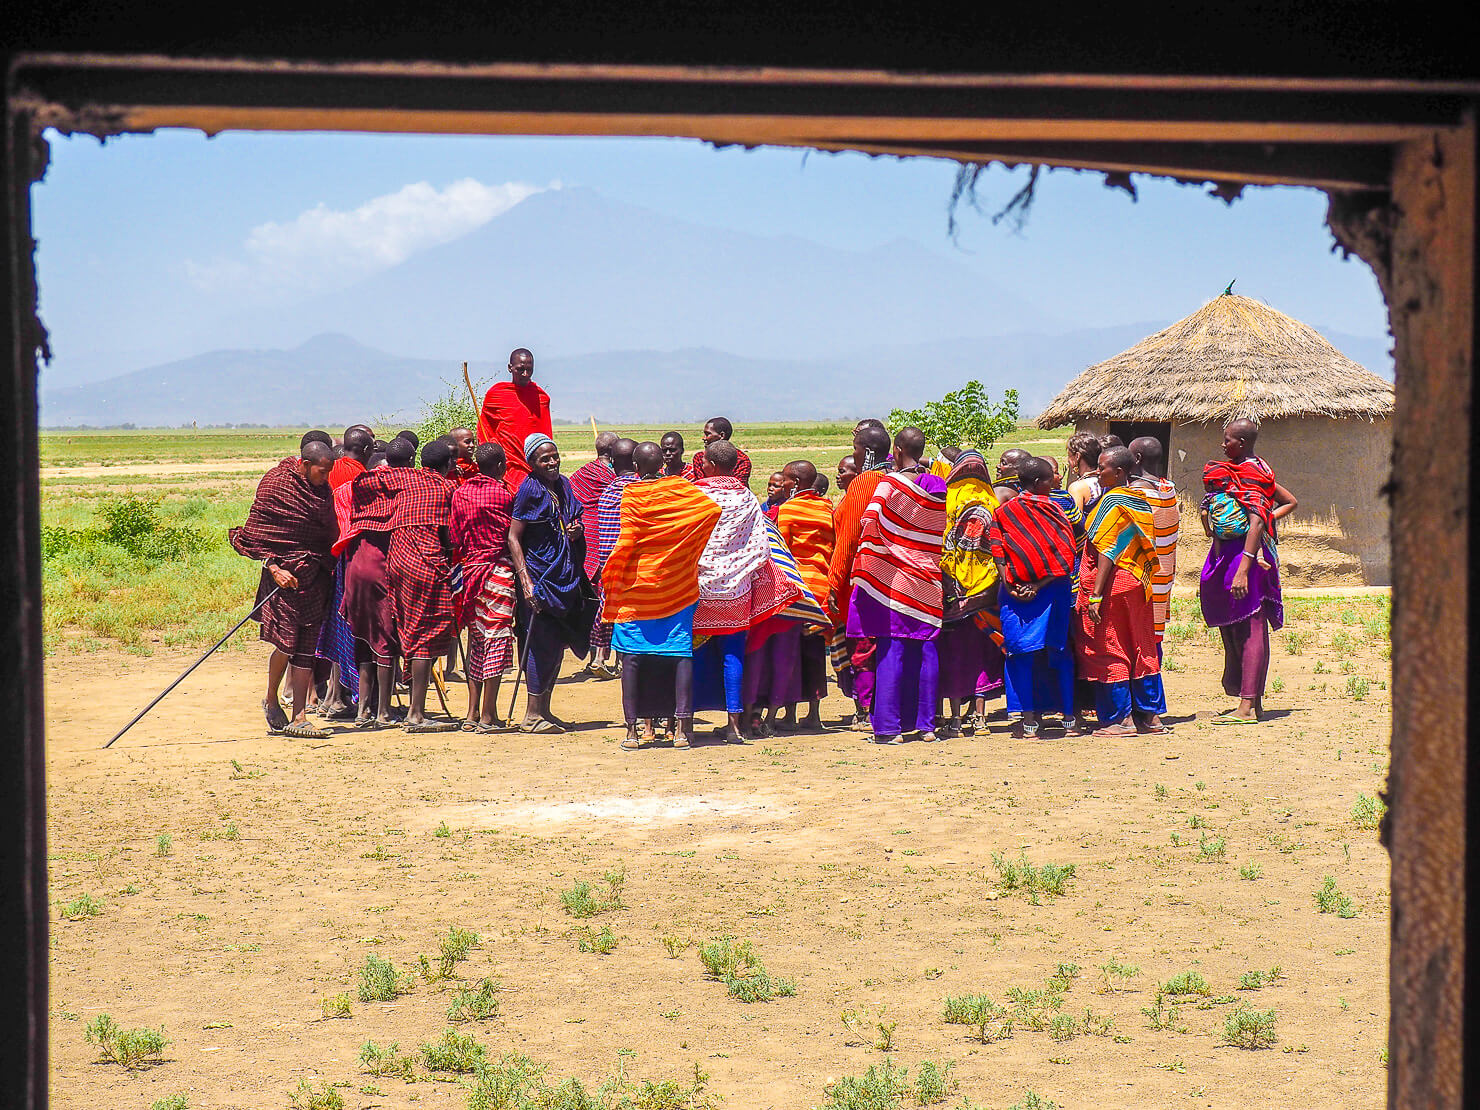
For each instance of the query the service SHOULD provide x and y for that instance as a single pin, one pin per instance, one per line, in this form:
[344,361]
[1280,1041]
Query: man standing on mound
[291,528]
[512,412]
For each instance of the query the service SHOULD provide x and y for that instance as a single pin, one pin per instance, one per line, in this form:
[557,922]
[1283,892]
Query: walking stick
[524,657]
[198,662]
[471,392]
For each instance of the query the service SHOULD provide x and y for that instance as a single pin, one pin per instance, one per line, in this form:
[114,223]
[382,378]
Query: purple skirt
[1220,608]
[970,663]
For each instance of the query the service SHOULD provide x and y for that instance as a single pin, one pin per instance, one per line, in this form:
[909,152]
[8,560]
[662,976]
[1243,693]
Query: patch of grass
[1367,813]
[387,1062]
[886,1085]
[509,1083]
[315,1096]
[1161,791]
[477,1004]
[1295,642]
[727,956]
[992,1022]
[1257,979]
[603,943]
[163,844]
[1162,1014]
[442,830]
[129,1048]
[1249,1028]
[380,982]
[1187,983]
[452,950]
[170,1102]
[581,900]
[1357,688]
[1020,876]
[1250,871]
[758,985]
[1277,686]
[675,946]
[336,1006]
[83,906]
[456,1052]
[1330,900]
[1063,976]
[1033,1101]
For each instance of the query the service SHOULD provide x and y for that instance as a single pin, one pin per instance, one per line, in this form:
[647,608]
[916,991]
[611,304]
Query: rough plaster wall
[1430,294]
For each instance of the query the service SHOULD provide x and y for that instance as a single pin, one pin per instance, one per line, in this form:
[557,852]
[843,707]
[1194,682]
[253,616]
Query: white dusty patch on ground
[641,809]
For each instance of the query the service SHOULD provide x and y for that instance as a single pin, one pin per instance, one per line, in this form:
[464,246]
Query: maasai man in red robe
[805,521]
[479,530]
[716,429]
[419,566]
[291,528]
[357,442]
[368,607]
[589,482]
[463,443]
[513,411]
[853,659]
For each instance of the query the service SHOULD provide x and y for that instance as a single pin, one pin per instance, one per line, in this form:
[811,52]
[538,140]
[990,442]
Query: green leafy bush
[962,418]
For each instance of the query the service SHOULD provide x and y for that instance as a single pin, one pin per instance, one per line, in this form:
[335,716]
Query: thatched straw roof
[1233,357]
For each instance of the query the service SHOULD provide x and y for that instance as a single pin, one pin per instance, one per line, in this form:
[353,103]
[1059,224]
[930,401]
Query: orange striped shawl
[653,571]
[806,525]
[848,527]
[1166,521]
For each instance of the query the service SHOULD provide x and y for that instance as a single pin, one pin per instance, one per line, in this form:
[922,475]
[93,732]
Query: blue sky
[145,241]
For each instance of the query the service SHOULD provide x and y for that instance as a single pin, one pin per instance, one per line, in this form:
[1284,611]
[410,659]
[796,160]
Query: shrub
[581,901]
[336,1006]
[474,1005]
[1187,983]
[1020,875]
[453,949]
[84,905]
[131,1048]
[1249,1028]
[170,1102]
[1367,813]
[310,1096]
[505,1083]
[992,1022]
[886,1085]
[453,1052]
[380,982]
[1330,900]
[387,1062]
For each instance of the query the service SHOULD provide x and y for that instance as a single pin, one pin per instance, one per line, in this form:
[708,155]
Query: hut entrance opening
[1128,430]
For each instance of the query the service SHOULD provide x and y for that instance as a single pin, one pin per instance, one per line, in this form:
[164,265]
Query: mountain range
[633,316]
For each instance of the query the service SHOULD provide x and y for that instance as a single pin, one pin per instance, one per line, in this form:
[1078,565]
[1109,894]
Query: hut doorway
[1161,431]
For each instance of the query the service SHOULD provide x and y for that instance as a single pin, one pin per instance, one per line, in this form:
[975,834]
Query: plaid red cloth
[419,497]
[418,572]
[589,481]
[479,530]
[609,516]
[1033,538]
[742,468]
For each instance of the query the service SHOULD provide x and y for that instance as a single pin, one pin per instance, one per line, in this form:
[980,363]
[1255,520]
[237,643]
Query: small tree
[452,410]
[964,418]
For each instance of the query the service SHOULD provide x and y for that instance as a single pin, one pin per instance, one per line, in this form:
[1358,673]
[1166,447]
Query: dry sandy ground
[864,872]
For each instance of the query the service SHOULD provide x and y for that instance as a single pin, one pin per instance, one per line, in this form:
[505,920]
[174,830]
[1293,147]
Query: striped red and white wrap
[898,560]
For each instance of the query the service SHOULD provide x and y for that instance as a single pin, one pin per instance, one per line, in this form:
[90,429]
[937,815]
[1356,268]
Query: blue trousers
[1115,700]
[1040,681]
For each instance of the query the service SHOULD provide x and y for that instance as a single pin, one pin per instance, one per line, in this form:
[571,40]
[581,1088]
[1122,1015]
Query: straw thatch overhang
[1234,357]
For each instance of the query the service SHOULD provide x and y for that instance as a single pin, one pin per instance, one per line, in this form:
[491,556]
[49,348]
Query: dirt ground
[864,872]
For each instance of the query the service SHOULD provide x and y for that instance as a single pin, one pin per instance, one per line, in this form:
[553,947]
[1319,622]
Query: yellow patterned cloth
[1120,527]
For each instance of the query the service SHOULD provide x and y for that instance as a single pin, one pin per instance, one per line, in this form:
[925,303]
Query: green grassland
[99,595]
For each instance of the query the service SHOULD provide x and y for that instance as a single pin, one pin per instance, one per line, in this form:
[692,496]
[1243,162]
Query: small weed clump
[456,1052]
[170,1102]
[83,906]
[337,1006]
[515,1082]
[675,946]
[736,965]
[1357,688]
[1033,1101]
[1187,983]
[442,830]
[1257,979]
[388,1062]
[1161,1014]
[1250,871]
[870,1028]
[603,943]
[130,1048]
[1022,876]
[474,1005]
[1210,849]
[1115,974]
[1330,900]
[886,1085]
[162,844]
[313,1096]
[993,1022]
[1063,977]
[581,900]
[1249,1028]
[453,949]
[1367,813]
[1295,642]
[380,982]
[1035,1009]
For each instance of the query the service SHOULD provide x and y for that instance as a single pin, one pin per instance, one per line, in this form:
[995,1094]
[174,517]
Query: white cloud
[324,246]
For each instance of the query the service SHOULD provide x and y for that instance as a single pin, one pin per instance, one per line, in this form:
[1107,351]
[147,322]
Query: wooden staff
[471,393]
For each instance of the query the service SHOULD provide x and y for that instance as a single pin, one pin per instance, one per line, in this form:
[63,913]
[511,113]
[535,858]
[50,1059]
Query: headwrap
[533,442]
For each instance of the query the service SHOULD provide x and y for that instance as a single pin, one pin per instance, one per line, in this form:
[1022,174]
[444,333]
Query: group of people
[929,588]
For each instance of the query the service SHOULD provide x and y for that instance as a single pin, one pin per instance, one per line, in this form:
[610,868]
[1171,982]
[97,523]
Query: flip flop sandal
[931,737]
[1230,719]
[273,726]
[468,726]
[366,722]
[1110,732]
[630,745]
[893,741]
[541,725]
[306,731]
[432,726]
[679,742]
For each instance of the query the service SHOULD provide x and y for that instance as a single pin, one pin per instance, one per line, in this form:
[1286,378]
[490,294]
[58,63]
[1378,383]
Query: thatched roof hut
[1323,424]
[1233,357]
